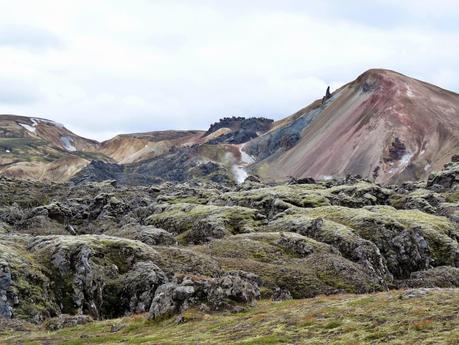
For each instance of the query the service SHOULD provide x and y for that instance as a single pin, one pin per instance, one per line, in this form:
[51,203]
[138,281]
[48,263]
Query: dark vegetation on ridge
[242,129]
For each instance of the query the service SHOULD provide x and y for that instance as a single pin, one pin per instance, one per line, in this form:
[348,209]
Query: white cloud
[26,37]
[105,67]
[17,93]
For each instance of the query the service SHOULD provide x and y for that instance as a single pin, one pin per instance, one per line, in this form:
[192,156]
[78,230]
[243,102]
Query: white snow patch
[36,120]
[246,158]
[7,151]
[31,129]
[239,172]
[402,164]
[427,167]
[327,177]
[68,143]
[405,160]
[422,152]
[409,91]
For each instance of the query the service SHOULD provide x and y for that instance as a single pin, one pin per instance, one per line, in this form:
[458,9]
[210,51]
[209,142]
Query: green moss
[321,271]
[195,222]
[333,324]
[29,283]
[264,339]
[452,197]
[351,217]
[373,223]
[182,200]
[339,319]
[416,217]
[307,195]
[397,200]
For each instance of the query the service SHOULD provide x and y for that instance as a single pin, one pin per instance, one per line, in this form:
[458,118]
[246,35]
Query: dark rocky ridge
[281,139]
[241,129]
[234,123]
[177,165]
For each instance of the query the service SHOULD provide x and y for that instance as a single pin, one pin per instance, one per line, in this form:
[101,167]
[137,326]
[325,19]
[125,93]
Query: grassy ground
[381,318]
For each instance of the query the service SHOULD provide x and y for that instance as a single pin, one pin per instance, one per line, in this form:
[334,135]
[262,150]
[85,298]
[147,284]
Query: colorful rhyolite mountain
[383,126]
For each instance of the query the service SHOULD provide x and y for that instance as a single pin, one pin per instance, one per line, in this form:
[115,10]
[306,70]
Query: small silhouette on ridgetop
[327,95]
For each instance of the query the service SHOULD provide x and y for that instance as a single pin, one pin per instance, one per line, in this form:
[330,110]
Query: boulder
[419,199]
[63,321]
[299,246]
[196,224]
[102,276]
[25,291]
[146,234]
[99,276]
[140,284]
[441,277]
[6,310]
[323,271]
[215,293]
[341,237]
[445,179]
[281,295]
[409,240]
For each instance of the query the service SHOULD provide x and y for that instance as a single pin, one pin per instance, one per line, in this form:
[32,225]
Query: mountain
[131,148]
[43,150]
[115,259]
[13,126]
[179,156]
[383,125]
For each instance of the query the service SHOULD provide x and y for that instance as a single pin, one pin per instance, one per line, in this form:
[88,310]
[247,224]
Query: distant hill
[43,150]
[383,126]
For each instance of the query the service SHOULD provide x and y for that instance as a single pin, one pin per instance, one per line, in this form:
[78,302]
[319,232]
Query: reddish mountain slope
[383,125]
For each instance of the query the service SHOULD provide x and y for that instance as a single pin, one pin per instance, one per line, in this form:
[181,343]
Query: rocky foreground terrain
[422,316]
[203,255]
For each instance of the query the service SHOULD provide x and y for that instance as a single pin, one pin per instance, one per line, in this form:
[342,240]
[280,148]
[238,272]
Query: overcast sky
[108,67]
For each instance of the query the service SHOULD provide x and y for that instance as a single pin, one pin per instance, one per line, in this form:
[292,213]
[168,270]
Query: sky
[107,67]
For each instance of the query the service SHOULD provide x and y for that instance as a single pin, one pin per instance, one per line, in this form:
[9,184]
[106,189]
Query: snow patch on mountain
[239,171]
[30,128]
[240,174]
[37,120]
[67,142]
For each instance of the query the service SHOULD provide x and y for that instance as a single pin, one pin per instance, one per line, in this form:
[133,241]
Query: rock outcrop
[72,253]
[210,293]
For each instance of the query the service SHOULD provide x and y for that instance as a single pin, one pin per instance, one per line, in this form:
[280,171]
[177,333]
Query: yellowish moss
[302,195]
[381,318]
